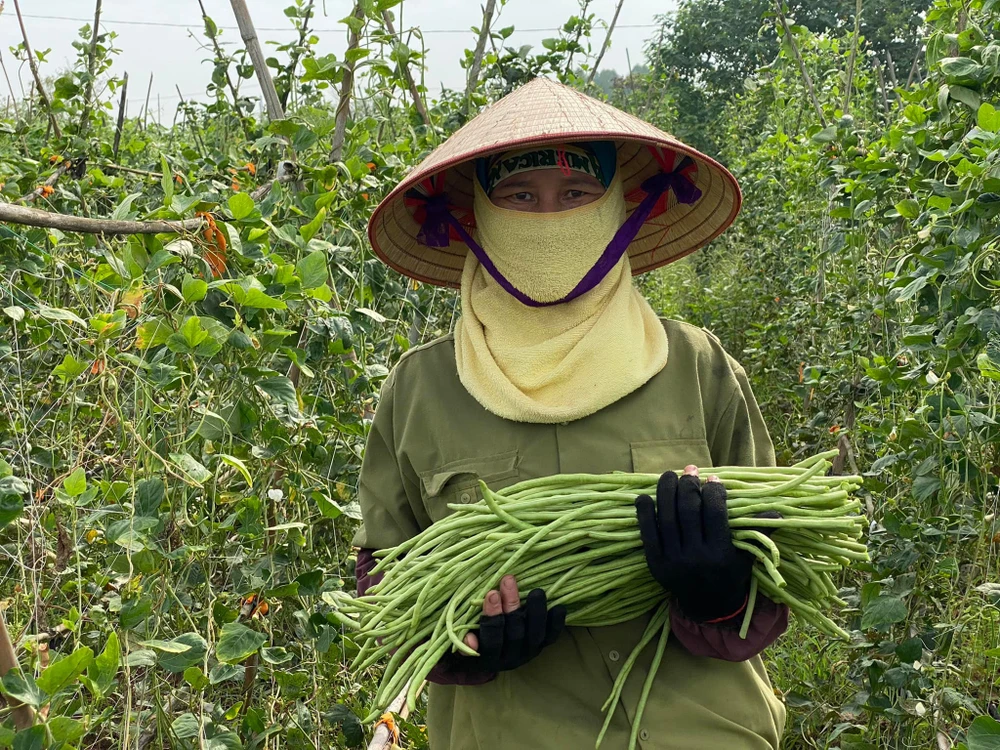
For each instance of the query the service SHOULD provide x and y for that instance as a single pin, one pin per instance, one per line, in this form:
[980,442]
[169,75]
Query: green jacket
[429,445]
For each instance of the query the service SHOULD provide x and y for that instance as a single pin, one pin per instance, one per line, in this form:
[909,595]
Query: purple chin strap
[435,232]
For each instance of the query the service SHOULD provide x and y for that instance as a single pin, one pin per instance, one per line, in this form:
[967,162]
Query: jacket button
[613,655]
[643,735]
[466,497]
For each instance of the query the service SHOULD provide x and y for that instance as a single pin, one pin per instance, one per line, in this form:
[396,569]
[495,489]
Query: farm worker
[540,210]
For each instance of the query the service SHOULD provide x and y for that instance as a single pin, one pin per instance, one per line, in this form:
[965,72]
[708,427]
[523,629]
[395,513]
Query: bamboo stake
[34,72]
[121,117]
[802,65]
[884,101]
[24,716]
[346,90]
[383,738]
[249,34]
[891,65]
[477,58]
[145,107]
[916,65]
[34,217]
[404,67]
[91,66]
[855,41]
[293,58]
[607,43]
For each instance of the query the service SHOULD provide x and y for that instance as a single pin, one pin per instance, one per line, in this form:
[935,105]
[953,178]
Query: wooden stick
[91,66]
[145,107]
[121,117]
[34,217]
[274,109]
[382,738]
[34,72]
[346,89]
[477,58]
[404,67]
[916,65]
[39,191]
[892,70]
[884,101]
[854,56]
[607,43]
[802,65]
[24,716]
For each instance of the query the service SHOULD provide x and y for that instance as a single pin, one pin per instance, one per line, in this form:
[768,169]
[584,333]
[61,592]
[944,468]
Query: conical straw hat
[544,112]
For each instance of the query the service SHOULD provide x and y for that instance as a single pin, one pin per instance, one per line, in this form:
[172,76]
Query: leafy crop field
[182,414]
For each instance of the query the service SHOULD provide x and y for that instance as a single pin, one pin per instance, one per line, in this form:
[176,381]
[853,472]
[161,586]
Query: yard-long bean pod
[576,537]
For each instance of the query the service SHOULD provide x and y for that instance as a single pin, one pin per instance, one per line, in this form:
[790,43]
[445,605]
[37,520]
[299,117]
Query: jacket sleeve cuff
[440,674]
[722,641]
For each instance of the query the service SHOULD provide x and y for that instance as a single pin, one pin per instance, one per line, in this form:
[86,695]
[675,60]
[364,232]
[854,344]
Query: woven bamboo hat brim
[543,112]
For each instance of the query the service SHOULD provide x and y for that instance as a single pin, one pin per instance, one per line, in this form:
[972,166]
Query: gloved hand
[509,635]
[689,548]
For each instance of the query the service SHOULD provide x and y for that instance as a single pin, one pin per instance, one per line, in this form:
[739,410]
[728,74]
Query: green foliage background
[172,442]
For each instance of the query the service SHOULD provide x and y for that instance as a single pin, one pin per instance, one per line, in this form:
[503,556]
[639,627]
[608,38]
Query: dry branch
[346,89]
[404,68]
[249,34]
[34,72]
[220,57]
[855,41]
[39,191]
[91,71]
[24,717]
[607,43]
[477,58]
[35,217]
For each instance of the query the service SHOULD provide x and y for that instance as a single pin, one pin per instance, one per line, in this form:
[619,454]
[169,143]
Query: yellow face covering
[544,255]
[565,361]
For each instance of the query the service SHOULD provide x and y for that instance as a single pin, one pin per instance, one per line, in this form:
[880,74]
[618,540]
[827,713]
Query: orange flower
[178,179]
[98,367]
[235,186]
[54,158]
[251,168]
[46,190]
[215,255]
[371,166]
[835,429]
[365,196]
[231,170]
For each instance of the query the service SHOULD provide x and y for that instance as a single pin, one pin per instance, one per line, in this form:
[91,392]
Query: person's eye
[575,194]
[522,196]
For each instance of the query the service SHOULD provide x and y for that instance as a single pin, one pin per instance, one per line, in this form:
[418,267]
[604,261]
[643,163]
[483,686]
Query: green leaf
[908,208]
[826,135]
[23,688]
[60,674]
[989,118]
[192,289]
[353,55]
[967,96]
[11,506]
[76,483]
[153,333]
[123,211]
[186,727]
[194,677]
[238,465]
[241,206]
[57,313]
[178,662]
[105,667]
[256,298]
[149,496]
[883,611]
[15,313]
[69,369]
[963,70]
[276,655]
[281,389]
[192,469]
[33,738]
[312,270]
[984,734]
[237,642]
[308,231]
[166,181]
[65,729]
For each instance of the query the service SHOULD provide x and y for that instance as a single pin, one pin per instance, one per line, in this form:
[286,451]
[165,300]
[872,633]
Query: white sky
[176,60]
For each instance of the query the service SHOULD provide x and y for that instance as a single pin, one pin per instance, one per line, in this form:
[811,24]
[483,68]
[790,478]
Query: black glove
[508,641]
[689,548]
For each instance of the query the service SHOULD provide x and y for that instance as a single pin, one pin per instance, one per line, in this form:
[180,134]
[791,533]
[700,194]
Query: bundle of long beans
[576,537]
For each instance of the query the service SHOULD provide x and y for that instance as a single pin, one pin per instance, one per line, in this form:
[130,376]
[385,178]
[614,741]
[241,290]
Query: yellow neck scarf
[559,363]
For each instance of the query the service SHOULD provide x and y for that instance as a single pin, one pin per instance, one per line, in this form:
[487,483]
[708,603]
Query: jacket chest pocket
[458,481]
[658,456]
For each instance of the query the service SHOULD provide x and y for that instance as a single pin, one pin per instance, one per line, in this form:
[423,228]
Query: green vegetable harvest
[585,552]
